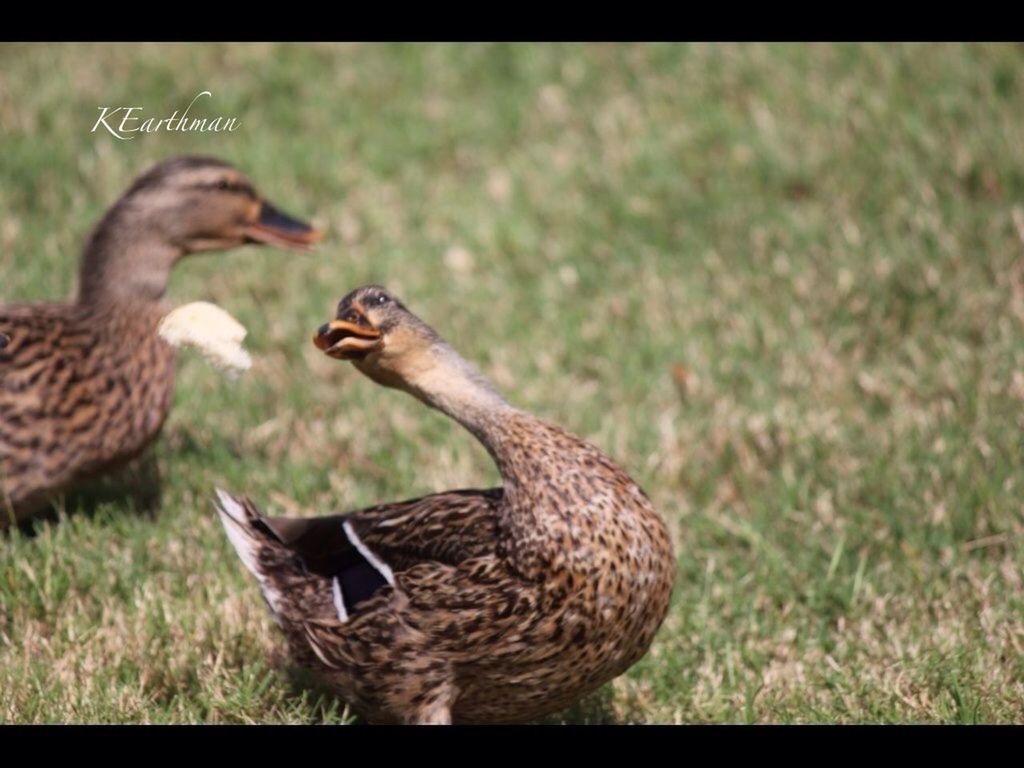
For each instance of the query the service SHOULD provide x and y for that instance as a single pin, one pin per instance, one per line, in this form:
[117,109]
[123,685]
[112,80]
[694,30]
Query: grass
[783,285]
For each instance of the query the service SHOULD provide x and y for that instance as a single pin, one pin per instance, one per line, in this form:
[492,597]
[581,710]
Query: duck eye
[223,184]
[381,300]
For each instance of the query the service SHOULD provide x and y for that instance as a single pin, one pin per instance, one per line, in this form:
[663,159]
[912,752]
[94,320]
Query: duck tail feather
[257,548]
[237,516]
[291,590]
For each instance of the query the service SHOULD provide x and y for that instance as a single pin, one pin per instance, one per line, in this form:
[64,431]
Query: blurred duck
[472,605]
[85,386]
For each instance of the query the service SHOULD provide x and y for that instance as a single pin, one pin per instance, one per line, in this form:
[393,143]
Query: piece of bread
[209,329]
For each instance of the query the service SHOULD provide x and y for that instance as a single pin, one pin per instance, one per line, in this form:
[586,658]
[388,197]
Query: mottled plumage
[86,385]
[83,389]
[483,606]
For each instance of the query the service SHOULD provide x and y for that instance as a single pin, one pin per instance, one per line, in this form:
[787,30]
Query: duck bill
[275,227]
[345,340]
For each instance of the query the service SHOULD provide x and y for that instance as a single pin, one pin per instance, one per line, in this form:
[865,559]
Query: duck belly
[562,665]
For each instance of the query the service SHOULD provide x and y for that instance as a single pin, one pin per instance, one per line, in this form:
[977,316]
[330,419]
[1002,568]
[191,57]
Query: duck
[86,385]
[469,606]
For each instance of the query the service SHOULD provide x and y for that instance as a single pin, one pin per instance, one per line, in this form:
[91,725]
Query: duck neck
[453,386]
[124,261]
[528,452]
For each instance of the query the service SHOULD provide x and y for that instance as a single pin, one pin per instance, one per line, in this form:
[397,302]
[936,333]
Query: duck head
[393,347]
[180,206]
[379,335]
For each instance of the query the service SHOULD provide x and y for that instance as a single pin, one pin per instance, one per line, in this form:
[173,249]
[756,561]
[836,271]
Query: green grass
[782,285]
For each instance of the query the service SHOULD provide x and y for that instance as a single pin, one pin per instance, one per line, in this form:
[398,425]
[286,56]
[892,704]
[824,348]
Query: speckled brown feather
[507,604]
[83,390]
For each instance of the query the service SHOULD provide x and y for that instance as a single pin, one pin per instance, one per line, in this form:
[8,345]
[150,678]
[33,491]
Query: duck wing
[442,528]
[363,550]
[331,582]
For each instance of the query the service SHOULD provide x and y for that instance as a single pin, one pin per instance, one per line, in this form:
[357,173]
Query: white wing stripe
[339,600]
[382,568]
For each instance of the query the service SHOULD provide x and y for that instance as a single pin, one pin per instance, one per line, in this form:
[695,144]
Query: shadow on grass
[595,709]
[324,704]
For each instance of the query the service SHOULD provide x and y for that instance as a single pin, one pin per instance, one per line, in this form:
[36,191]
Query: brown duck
[472,605]
[85,386]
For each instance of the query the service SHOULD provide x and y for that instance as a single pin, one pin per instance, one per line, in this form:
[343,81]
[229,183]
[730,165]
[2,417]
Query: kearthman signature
[121,124]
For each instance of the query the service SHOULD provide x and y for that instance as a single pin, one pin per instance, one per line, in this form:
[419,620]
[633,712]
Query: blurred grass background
[782,284]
